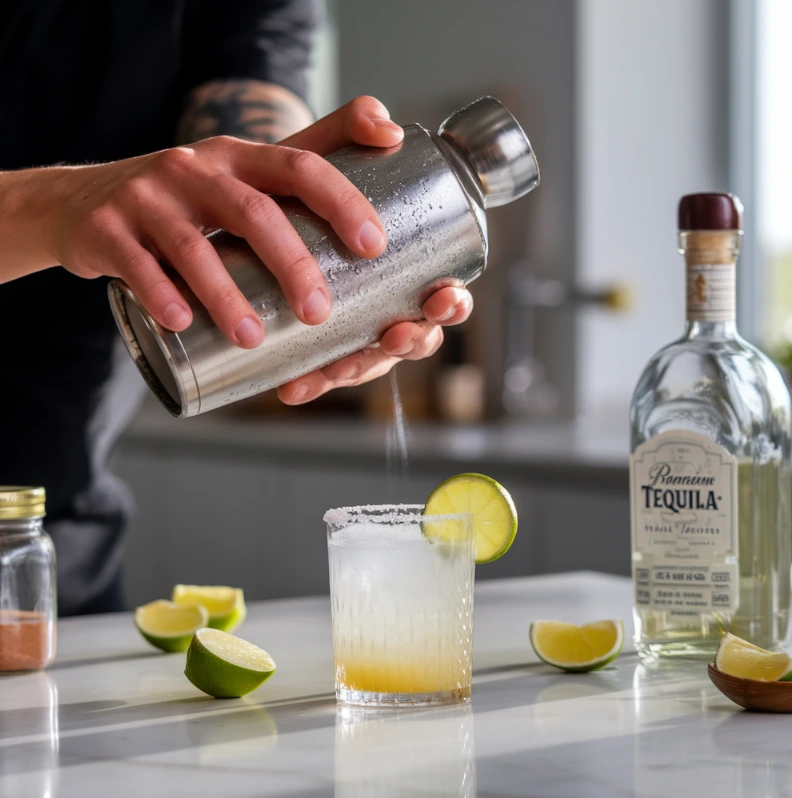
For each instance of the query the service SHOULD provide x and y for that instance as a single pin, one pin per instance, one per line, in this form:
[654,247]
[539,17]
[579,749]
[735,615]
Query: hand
[363,122]
[118,219]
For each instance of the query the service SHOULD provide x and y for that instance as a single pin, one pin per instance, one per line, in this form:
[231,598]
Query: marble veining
[113,717]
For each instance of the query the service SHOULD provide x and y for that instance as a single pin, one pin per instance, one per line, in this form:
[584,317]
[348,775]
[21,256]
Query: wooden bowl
[751,694]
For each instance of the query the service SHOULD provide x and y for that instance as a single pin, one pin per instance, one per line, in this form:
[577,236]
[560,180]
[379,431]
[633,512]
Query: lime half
[170,626]
[738,657]
[225,666]
[492,508]
[225,605]
[577,648]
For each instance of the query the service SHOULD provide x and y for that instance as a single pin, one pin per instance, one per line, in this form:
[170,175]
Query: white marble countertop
[113,717]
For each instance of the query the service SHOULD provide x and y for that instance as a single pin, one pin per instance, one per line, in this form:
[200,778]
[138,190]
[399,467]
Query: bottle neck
[713,330]
[18,526]
[711,267]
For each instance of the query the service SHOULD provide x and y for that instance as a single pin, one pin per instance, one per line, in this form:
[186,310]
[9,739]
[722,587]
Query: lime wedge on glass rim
[489,504]
[225,605]
[578,649]
[169,626]
[225,666]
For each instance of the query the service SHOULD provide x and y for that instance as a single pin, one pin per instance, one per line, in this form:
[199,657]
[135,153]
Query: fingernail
[317,307]
[345,372]
[175,316]
[386,124]
[300,393]
[447,315]
[249,332]
[405,349]
[371,237]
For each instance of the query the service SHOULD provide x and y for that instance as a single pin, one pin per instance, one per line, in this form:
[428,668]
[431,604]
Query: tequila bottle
[710,485]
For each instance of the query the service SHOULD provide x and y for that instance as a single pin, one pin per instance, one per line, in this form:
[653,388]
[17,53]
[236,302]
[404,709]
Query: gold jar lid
[21,502]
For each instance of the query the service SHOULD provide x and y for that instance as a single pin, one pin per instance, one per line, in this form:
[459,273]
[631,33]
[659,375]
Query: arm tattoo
[248,109]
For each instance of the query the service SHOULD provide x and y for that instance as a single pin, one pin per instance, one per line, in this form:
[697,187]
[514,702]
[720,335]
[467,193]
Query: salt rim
[385,514]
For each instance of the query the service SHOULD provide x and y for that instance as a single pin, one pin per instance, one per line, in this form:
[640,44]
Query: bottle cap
[710,212]
[495,145]
[21,502]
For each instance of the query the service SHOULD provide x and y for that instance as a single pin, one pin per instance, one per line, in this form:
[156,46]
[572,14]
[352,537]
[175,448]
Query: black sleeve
[267,40]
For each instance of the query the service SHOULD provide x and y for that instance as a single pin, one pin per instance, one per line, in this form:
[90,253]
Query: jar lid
[21,502]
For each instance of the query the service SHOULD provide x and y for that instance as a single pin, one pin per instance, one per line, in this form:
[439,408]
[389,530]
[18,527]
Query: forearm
[248,109]
[28,202]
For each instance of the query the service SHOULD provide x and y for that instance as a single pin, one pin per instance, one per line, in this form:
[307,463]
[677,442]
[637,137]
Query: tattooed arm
[248,109]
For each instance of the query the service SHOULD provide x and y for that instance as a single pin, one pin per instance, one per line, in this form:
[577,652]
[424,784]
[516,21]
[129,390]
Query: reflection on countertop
[600,443]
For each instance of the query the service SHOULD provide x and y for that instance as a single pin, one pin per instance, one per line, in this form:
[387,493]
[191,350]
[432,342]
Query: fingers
[191,254]
[257,218]
[312,179]
[412,340]
[448,306]
[365,121]
[360,367]
[123,256]
[403,341]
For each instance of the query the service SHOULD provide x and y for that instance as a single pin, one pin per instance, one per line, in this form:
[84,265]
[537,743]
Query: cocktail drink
[401,586]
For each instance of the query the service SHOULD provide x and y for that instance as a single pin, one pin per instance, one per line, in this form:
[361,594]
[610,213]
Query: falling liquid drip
[396,442]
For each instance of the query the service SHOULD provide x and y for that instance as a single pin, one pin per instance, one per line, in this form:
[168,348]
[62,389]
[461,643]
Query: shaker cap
[497,149]
[710,212]
[18,502]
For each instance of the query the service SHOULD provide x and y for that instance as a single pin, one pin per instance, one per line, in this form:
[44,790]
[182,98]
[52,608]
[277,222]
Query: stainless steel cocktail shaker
[430,193]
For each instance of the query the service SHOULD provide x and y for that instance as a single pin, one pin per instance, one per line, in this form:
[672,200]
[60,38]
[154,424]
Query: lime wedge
[225,666]
[225,605]
[170,626]
[577,648]
[492,508]
[738,657]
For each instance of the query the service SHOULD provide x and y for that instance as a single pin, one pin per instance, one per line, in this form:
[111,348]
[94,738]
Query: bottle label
[711,292]
[683,496]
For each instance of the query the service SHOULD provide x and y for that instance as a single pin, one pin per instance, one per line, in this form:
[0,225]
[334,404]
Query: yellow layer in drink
[401,677]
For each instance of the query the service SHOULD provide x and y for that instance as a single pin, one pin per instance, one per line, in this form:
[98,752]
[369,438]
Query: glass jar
[27,582]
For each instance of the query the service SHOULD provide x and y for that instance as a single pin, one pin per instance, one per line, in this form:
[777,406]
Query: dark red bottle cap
[710,212]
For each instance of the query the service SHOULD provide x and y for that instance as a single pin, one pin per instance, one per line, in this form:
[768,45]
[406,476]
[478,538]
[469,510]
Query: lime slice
[493,511]
[170,626]
[738,657]
[225,666]
[225,605]
[577,648]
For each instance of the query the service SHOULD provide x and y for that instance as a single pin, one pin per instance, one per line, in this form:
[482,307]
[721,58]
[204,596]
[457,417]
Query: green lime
[492,508]
[225,605]
[577,648]
[170,626]
[225,666]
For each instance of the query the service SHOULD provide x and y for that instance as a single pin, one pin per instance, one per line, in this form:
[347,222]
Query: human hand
[363,121]
[119,219]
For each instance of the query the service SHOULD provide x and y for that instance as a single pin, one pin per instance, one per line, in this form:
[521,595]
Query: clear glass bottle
[28,607]
[710,486]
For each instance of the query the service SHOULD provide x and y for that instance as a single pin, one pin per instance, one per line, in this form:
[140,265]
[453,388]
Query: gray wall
[213,513]
[626,103]
[652,126]
[425,59]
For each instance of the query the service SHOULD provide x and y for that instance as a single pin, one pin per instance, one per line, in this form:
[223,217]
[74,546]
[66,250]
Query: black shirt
[91,81]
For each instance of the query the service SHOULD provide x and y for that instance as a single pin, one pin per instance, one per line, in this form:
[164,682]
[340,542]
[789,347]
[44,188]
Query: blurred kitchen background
[629,104]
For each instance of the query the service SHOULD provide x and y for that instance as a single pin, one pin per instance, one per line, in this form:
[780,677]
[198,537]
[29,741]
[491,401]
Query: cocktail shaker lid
[497,149]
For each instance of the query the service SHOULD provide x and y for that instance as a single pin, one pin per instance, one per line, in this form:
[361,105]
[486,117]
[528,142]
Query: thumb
[364,120]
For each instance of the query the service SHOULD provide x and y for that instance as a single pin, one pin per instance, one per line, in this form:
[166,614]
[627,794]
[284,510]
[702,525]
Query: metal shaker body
[431,204]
